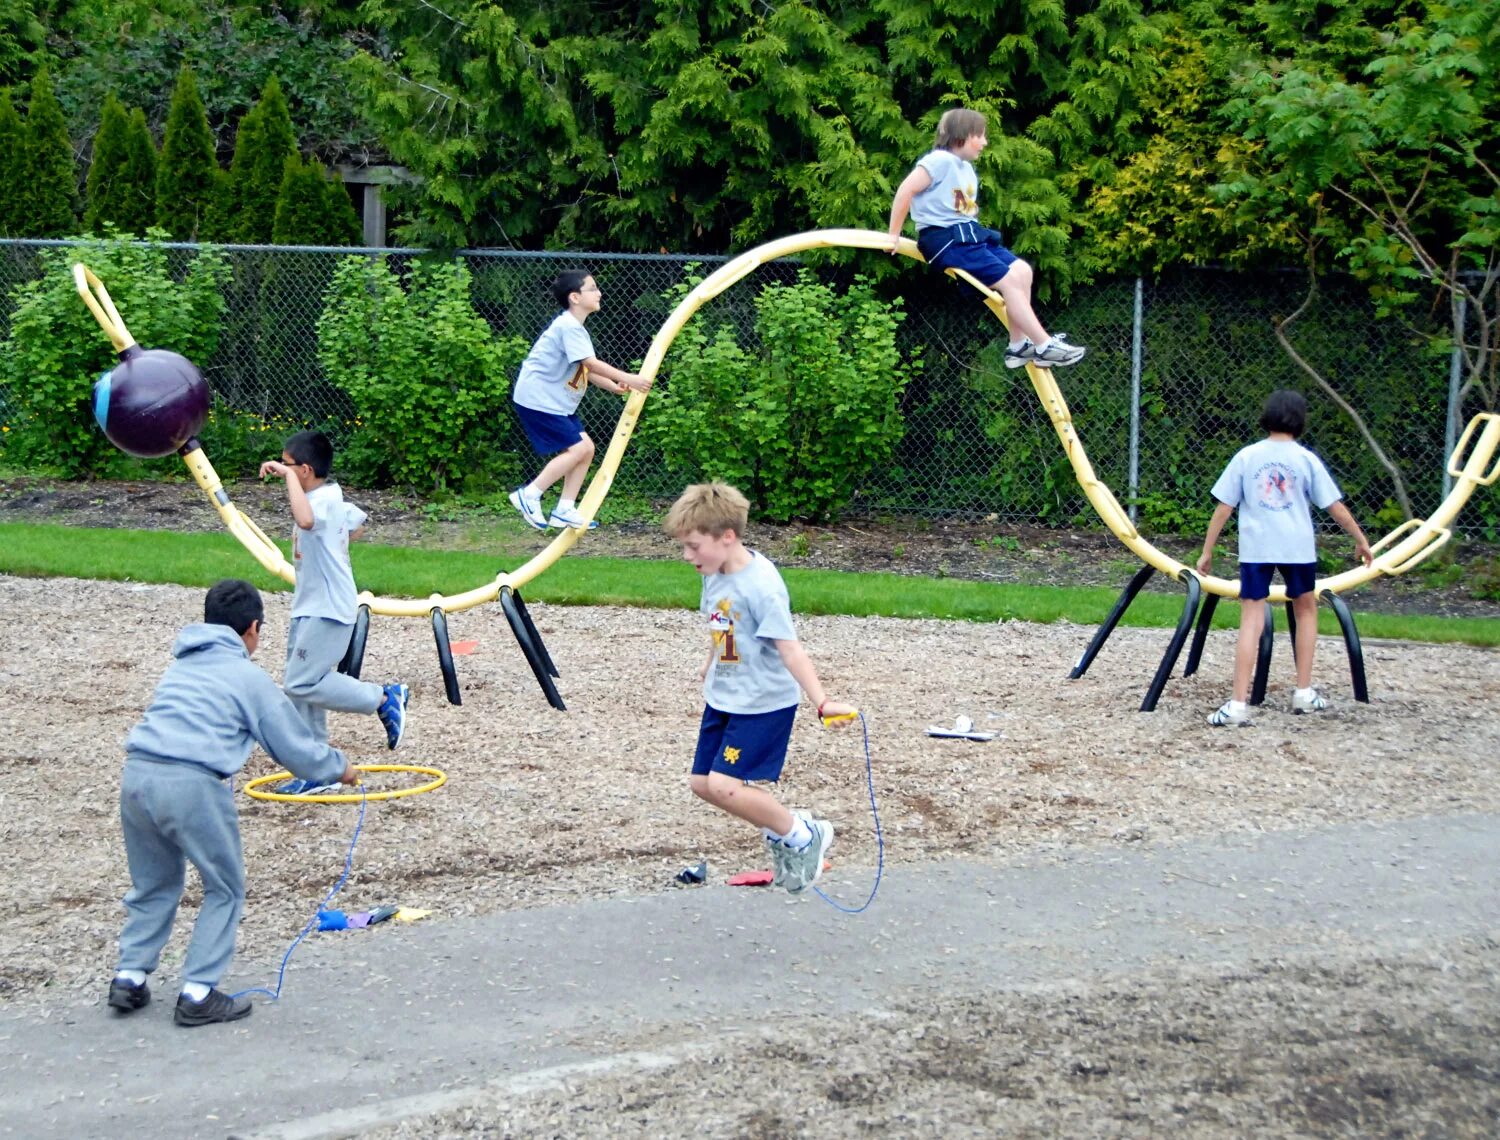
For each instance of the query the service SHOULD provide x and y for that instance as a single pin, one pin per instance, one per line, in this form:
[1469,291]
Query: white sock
[800,835]
[1017,345]
[1305,694]
[566,504]
[134,977]
[1237,706]
[531,494]
[1044,344]
[195,991]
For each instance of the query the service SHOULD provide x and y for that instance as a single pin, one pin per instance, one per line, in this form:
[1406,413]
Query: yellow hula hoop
[439,779]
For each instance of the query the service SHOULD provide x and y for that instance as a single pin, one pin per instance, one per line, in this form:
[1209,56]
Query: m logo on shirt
[580,379]
[1276,487]
[963,202]
[721,626]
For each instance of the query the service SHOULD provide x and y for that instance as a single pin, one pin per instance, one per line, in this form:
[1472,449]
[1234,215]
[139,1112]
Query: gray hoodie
[214,704]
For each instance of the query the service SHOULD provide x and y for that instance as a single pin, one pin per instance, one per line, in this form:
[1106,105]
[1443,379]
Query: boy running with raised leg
[754,677]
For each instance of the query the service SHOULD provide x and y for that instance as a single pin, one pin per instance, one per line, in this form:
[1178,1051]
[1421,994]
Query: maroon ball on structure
[151,403]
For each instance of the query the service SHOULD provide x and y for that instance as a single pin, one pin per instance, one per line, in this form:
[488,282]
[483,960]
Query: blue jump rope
[275,995]
[879,836]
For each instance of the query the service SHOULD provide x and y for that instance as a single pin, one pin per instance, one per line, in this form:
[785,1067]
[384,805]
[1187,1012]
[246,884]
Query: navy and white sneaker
[1056,353]
[303,788]
[531,509]
[392,712]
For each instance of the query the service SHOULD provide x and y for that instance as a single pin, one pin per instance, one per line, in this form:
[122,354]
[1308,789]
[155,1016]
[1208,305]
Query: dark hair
[1285,411]
[568,282]
[313,448]
[233,602]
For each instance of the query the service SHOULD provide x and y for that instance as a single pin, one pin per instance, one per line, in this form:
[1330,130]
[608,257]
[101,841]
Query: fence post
[1455,377]
[1136,338]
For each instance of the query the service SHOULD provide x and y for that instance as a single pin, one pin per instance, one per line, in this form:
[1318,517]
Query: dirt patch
[543,806]
[975,550]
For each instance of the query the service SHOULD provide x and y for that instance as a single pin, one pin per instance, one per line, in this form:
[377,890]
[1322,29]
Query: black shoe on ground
[217,1006]
[127,998]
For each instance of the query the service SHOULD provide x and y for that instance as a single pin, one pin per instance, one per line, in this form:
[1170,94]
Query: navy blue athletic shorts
[967,246]
[747,746]
[549,432]
[1255,578]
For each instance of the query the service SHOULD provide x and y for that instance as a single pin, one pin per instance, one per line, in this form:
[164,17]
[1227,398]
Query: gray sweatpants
[314,648]
[175,814]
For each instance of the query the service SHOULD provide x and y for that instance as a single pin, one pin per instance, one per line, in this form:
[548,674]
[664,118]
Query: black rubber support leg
[1351,643]
[1263,657]
[1101,635]
[1179,636]
[536,656]
[535,636]
[445,656]
[354,656]
[1200,635]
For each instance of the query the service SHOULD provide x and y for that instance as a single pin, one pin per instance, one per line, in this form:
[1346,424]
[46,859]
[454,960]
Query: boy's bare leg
[573,480]
[563,463]
[743,801]
[1252,621]
[1305,610]
[1015,288]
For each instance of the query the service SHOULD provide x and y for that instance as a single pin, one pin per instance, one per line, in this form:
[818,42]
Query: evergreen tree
[187,176]
[13,169]
[138,205]
[312,209]
[104,187]
[50,196]
[246,210]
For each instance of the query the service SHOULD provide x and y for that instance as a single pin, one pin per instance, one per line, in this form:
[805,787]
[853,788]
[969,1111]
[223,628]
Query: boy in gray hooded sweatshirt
[177,801]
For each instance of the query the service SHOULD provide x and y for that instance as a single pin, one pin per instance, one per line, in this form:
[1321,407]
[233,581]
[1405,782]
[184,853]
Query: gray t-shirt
[953,196]
[552,377]
[320,556]
[1272,483]
[747,612]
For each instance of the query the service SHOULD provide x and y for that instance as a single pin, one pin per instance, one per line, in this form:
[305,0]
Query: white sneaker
[1226,714]
[531,509]
[569,517]
[805,866]
[1312,701]
[1015,357]
[1057,354]
[778,851]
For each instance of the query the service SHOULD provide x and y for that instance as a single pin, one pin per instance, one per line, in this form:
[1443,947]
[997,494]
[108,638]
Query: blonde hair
[708,508]
[957,125]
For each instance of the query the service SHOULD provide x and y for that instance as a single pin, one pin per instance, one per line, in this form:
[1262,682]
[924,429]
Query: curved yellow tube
[1418,538]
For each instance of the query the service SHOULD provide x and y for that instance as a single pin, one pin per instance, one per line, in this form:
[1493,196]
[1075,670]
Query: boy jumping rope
[324,602]
[942,195]
[1272,482]
[753,679]
[177,800]
[549,388]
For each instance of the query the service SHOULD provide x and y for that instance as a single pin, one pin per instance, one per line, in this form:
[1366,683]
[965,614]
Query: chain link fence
[1176,374]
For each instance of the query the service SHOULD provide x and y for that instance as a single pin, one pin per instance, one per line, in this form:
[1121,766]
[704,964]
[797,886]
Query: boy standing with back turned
[324,602]
[942,195]
[1273,482]
[755,675]
[177,800]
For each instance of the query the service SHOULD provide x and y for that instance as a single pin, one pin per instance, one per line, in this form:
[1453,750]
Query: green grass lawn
[35,550]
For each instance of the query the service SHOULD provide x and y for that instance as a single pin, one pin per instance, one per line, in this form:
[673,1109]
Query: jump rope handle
[837,718]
